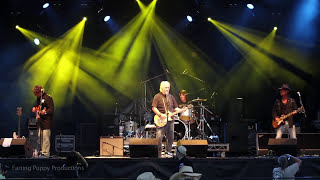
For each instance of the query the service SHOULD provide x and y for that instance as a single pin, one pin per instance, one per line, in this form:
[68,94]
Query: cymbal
[197,100]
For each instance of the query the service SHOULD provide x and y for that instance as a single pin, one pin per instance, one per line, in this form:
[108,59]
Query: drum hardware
[202,119]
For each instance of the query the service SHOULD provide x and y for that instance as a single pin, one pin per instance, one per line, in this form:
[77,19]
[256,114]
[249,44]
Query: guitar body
[276,125]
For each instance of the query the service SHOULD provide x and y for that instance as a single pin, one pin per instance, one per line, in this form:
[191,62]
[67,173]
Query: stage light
[84,18]
[45,5]
[106,18]
[275,28]
[189,18]
[250,6]
[36,41]
[209,19]
[17,27]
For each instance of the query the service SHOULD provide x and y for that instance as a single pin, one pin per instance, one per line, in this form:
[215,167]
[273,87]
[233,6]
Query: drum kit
[190,124]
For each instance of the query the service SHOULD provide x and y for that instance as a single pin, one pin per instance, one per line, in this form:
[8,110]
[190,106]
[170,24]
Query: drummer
[187,115]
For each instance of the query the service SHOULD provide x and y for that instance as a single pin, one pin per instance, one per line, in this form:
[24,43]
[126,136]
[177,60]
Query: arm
[275,109]
[295,159]
[158,113]
[50,106]
[294,106]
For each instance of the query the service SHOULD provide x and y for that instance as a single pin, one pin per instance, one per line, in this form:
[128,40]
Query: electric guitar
[277,124]
[162,121]
[38,111]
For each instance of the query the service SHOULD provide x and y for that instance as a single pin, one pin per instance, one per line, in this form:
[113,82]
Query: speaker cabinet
[195,148]
[111,146]
[307,143]
[143,147]
[237,137]
[283,146]
[18,148]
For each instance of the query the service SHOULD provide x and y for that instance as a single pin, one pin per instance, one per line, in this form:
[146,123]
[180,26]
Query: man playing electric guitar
[44,110]
[163,105]
[285,105]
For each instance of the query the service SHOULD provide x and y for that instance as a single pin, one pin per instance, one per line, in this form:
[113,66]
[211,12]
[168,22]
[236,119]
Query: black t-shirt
[161,102]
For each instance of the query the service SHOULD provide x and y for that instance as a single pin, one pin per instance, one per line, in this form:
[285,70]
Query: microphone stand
[304,111]
[113,146]
[186,73]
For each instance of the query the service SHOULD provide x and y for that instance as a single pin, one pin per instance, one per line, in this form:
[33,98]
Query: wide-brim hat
[184,172]
[147,176]
[285,87]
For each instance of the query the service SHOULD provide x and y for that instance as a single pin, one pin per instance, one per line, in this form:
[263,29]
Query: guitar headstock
[19,111]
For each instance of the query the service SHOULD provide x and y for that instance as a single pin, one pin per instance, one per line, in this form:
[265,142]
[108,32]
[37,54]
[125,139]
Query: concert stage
[163,168]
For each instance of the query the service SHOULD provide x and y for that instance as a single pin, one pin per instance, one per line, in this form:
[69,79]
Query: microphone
[299,94]
[184,72]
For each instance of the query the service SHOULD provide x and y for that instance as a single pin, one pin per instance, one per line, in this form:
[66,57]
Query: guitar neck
[290,114]
[19,128]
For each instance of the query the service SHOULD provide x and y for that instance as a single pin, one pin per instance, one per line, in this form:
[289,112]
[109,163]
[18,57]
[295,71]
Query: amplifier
[65,143]
[111,146]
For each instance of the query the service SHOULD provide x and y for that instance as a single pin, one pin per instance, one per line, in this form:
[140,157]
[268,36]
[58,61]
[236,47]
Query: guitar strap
[165,105]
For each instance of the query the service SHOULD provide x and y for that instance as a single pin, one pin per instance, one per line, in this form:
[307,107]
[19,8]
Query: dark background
[76,119]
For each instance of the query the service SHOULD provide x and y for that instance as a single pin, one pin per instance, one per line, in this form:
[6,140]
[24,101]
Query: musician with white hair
[165,107]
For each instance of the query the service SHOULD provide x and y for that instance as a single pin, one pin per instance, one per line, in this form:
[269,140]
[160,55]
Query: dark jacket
[46,120]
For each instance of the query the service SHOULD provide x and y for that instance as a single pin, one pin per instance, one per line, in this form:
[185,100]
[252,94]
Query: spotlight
[106,18]
[189,18]
[275,28]
[250,6]
[36,41]
[17,27]
[84,18]
[209,19]
[45,5]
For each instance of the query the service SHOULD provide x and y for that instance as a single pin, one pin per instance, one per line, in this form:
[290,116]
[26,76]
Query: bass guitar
[277,124]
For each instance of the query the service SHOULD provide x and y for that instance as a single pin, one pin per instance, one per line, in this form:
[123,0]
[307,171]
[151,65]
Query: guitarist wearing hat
[165,106]
[284,106]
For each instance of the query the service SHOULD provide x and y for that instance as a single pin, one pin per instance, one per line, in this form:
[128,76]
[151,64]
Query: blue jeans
[167,130]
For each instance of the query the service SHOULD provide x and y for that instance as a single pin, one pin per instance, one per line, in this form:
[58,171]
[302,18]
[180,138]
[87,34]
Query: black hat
[285,87]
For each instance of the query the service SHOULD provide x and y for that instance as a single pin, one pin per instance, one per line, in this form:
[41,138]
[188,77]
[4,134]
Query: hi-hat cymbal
[197,100]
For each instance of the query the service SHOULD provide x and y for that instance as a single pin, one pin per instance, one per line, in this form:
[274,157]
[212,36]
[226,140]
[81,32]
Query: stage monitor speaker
[18,148]
[111,146]
[283,146]
[195,148]
[143,147]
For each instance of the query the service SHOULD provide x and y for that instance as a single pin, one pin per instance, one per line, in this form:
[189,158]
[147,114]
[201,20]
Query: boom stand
[202,122]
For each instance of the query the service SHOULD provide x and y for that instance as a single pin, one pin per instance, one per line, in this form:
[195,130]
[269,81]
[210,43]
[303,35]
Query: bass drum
[180,130]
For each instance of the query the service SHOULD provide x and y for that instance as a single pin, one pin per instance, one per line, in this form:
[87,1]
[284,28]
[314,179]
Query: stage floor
[163,168]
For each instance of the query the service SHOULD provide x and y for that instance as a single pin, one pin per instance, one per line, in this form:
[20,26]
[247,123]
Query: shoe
[169,155]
